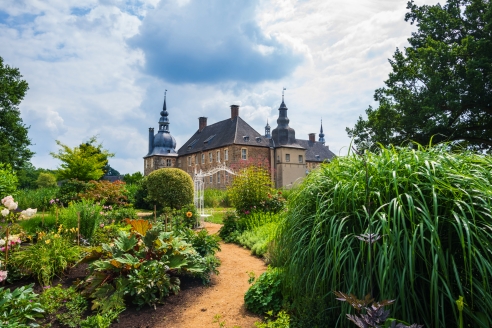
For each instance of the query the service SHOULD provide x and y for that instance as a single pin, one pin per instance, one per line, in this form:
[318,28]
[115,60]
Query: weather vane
[283,93]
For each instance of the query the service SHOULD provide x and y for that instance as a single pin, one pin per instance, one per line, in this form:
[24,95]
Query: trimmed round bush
[46,180]
[169,187]
[431,209]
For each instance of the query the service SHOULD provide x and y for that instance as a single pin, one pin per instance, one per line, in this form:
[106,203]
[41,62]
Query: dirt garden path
[196,306]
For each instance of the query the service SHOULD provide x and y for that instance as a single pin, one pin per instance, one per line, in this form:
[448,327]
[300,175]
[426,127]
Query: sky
[100,67]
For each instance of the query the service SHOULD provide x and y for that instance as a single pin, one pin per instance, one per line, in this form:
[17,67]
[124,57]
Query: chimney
[151,140]
[312,137]
[234,111]
[202,123]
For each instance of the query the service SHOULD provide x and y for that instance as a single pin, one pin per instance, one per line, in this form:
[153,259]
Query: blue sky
[101,67]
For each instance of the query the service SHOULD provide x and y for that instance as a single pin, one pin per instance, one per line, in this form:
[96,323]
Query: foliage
[119,214]
[19,308]
[109,193]
[170,187]
[14,142]
[259,238]
[265,293]
[249,188]
[140,195]
[374,313]
[143,263]
[46,180]
[133,178]
[232,227]
[90,217]
[8,179]
[203,242]
[432,209]
[63,305]
[213,198]
[36,198]
[84,163]
[69,191]
[49,257]
[439,88]
[282,321]
[101,320]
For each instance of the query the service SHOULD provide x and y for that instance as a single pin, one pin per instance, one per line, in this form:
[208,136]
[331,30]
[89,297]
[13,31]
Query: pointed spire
[282,105]
[321,134]
[267,130]
[164,120]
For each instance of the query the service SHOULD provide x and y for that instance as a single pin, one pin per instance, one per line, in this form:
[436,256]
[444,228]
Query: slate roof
[223,133]
[316,148]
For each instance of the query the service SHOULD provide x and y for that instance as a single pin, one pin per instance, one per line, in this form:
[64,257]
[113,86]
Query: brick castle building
[233,142]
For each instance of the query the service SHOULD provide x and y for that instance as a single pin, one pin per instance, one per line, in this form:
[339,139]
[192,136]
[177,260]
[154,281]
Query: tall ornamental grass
[36,198]
[433,209]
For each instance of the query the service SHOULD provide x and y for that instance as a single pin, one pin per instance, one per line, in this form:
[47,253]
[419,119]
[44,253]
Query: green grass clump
[215,198]
[36,198]
[258,239]
[433,210]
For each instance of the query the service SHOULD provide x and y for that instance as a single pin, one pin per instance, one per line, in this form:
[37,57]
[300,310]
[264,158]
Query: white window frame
[210,157]
[169,163]
[287,157]
[218,177]
[218,156]
[203,158]
[189,160]
[244,154]
[301,159]
[226,154]
[211,179]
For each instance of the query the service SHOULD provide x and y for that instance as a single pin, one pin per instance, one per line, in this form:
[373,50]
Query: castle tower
[267,130]
[321,134]
[283,134]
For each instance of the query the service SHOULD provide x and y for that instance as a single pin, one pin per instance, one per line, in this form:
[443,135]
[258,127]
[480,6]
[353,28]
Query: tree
[169,187]
[85,163]
[440,87]
[250,188]
[13,133]
[8,180]
[46,180]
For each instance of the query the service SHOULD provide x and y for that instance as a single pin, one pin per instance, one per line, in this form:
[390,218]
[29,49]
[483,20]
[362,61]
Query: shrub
[265,293]
[63,305]
[215,198]
[140,194]
[90,217]
[8,180]
[70,189]
[119,214]
[36,198]
[46,180]
[19,308]
[232,227]
[49,257]
[133,178]
[169,187]
[430,207]
[249,188]
[106,192]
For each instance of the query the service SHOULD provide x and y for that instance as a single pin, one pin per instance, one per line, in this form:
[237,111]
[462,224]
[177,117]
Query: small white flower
[5,212]
[7,199]
[3,275]
[2,242]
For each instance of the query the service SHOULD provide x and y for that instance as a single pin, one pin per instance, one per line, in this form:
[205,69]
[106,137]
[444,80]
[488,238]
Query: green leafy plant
[49,257]
[46,180]
[101,320]
[431,208]
[8,180]
[282,320]
[178,191]
[90,217]
[36,198]
[69,191]
[265,293]
[19,308]
[250,188]
[65,306]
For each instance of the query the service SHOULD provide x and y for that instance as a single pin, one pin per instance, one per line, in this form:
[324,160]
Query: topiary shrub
[169,187]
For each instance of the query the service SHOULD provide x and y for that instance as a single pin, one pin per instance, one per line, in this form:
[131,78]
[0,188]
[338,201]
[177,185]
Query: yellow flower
[47,241]
[189,214]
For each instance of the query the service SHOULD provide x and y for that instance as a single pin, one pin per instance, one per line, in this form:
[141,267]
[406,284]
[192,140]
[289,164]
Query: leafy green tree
[133,178]
[13,133]
[85,163]
[440,87]
[8,180]
[46,180]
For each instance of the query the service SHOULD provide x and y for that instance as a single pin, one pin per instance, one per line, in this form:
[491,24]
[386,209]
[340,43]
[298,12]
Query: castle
[232,142]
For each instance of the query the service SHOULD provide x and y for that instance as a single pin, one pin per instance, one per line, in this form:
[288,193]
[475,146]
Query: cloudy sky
[100,67]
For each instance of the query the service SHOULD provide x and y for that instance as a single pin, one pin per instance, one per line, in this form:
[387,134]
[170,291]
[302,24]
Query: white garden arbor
[199,185]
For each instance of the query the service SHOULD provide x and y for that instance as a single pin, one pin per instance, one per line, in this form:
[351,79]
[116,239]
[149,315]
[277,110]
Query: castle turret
[321,134]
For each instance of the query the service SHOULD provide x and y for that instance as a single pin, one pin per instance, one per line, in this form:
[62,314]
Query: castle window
[300,159]
[218,177]
[218,156]
[179,162]
[244,154]
[146,163]
[203,158]
[258,139]
[226,155]
[246,138]
[210,157]
[196,159]
[287,157]
[226,177]
[151,162]
[211,179]
[189,160]
[168,162]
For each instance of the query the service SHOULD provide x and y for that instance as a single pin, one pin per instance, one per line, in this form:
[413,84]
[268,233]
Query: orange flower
[189,214]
